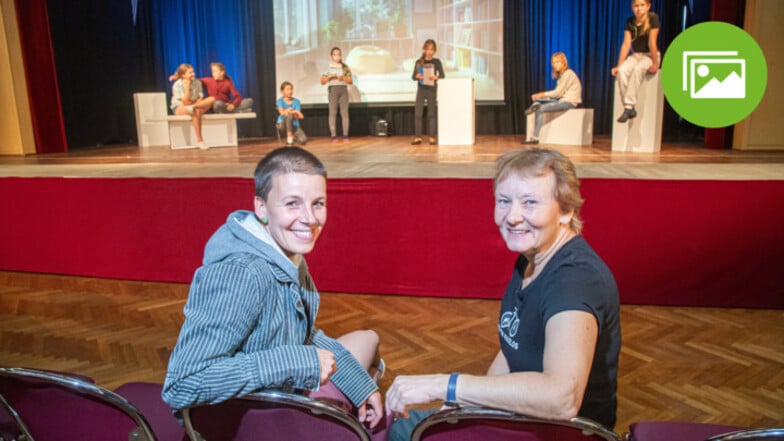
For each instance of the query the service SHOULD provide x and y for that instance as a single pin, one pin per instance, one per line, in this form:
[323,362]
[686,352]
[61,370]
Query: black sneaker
[416,141]
[532,108]
[627,114]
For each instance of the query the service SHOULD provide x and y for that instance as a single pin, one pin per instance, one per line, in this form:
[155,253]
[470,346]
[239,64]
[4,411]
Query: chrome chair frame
[314,406]
[142,431]
[452,416]
[770,434]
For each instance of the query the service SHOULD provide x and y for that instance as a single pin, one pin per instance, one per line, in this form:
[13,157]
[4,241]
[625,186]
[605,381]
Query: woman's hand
[415,389]
[654,67]
[614,70]
[419,76]
[371,411]
[230,107]
[328,365]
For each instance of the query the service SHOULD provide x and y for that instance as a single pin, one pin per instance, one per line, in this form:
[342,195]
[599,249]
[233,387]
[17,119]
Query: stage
[686,226]
[394,157]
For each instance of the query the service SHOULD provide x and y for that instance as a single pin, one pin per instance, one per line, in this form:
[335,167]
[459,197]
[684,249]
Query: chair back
[272,415]
[147,398]
[47,406]
[680,430]
[475,423]
[771,434]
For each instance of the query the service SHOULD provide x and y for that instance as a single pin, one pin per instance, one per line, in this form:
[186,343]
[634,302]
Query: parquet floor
[693,364]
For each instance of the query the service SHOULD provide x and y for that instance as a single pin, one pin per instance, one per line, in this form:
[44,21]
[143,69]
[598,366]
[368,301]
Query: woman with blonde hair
[559,325]
[639,35]
[566,95]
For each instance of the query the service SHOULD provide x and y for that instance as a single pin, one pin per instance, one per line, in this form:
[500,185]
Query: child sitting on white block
[188,99]
[639,35]
[566,95]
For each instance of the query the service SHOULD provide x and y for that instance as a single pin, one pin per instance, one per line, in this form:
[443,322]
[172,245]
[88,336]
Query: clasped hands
[371,411]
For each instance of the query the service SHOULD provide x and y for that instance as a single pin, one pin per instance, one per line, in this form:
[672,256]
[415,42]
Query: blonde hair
[532,162]
[562,57]
[181,69]
[646,22]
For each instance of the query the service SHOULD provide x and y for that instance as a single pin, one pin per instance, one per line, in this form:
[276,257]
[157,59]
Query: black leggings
[425,93]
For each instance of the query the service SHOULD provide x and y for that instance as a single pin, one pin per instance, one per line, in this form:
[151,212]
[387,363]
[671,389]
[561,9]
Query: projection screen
[381,41]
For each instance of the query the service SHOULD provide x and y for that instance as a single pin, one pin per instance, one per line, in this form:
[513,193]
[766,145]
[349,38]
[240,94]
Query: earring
[264,220]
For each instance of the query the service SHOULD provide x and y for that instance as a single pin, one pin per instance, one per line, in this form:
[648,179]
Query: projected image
[381,41]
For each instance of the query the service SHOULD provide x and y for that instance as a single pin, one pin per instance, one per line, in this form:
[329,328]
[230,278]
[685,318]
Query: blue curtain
[237,33]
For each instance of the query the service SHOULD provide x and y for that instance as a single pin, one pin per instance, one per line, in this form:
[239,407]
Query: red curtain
[701,243]
[42,88]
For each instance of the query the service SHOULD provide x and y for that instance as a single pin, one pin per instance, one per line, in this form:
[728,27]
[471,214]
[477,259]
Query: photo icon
[714,74]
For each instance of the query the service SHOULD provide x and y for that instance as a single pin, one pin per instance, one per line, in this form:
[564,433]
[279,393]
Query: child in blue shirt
[289,114]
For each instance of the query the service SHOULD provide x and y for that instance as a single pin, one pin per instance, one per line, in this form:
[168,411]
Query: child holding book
[427,71]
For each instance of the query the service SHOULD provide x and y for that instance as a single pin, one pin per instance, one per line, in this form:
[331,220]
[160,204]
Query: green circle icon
[714,74]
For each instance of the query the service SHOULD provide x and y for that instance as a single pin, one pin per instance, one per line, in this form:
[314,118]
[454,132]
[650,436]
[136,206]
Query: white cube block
[643,133]
[218,130]
[151,129]
[567,127]
[456,113]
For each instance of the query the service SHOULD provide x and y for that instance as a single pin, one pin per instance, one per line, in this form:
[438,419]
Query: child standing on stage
[427,72]
[289,114]
[566,95]
[337,78]
[640,35]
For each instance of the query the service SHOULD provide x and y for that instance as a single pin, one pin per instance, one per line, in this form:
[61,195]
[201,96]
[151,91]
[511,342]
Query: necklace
[539,261]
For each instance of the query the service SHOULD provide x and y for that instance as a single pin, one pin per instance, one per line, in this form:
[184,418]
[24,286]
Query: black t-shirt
[575,278]
[640,40]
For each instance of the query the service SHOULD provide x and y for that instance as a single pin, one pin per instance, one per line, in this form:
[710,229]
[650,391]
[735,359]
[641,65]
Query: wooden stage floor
[391,157]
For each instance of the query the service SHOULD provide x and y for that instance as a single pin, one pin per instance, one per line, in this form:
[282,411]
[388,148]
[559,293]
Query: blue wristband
[451,389]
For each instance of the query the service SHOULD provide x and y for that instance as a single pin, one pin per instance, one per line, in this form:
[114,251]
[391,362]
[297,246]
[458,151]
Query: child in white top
[337,78]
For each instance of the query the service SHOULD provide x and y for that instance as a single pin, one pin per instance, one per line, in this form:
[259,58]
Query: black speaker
[382,128]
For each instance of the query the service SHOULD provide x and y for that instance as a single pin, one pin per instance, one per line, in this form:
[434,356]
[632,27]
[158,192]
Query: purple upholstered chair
[478,423]
[49,406]
[770,434]
[273,415]
[674,430]
[147,398]
[9,420]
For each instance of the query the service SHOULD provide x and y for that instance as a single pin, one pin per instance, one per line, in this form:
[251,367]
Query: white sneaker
[289,140]
[202,145]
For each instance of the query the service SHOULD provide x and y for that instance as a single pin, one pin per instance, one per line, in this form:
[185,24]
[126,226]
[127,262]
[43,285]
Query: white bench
[155,127]
[567,127]
[644,132]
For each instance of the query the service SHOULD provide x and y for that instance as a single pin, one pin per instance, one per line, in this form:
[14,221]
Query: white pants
[630,75]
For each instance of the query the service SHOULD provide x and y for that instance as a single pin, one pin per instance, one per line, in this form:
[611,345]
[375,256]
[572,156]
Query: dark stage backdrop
[104,54]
